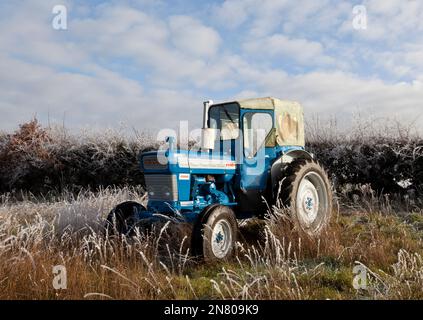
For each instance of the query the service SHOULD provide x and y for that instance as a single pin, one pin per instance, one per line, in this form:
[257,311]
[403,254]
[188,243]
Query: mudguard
[276,171]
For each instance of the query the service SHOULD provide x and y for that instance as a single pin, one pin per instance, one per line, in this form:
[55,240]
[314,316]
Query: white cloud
[391,22]
[103,99]
[265,17]
[301,50]
[342,94]
[233,14]
[174,50]
[191,36]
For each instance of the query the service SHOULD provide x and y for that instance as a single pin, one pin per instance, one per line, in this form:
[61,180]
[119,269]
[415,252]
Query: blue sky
[149,64]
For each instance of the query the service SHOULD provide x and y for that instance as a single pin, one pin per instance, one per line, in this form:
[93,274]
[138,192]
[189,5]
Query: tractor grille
[152,163]
[162,187]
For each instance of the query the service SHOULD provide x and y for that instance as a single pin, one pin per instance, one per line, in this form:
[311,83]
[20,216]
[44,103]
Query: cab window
[226,119]
[257,126]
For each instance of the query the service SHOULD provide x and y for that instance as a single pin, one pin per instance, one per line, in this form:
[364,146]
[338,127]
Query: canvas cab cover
[288,120]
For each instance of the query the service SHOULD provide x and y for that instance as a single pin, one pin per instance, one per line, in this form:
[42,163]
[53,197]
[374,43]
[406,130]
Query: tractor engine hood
[200,162]
[184,161]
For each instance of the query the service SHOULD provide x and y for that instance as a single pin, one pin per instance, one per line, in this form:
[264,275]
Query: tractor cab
[254,133]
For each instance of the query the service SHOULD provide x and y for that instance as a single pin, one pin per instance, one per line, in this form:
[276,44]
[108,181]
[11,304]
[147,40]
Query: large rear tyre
[122,218]
[307,192]
[215,234]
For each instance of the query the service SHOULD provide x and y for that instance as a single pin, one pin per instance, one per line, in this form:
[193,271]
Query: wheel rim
[312,202]
[221,239]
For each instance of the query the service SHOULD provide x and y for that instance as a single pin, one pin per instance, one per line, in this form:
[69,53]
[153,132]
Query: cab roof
[268,103]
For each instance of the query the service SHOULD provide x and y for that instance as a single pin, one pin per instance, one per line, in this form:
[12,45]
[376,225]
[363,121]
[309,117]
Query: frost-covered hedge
[42,160]
[388,165]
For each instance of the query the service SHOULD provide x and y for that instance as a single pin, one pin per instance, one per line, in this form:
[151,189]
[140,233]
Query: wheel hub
[221,238]
[308,201]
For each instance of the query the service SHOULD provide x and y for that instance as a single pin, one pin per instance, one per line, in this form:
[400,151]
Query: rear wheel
[122,218]
[307,192]
[215,234]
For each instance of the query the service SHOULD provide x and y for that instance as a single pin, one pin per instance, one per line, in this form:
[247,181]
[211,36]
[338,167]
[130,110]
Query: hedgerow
[42,160]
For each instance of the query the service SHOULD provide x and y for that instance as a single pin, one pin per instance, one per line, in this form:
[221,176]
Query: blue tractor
[252,156]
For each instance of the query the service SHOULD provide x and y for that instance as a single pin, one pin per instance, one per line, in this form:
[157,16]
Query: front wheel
[215,234]
[121,219]
[307,192]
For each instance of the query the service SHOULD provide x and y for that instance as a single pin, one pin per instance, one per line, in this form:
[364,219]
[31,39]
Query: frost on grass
[278,264]
[88,210]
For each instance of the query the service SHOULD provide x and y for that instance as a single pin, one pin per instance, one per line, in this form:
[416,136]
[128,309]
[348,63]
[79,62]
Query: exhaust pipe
[208,136]
[207,105]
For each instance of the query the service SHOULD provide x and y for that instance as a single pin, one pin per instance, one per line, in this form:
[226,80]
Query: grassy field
[62,224]
[272,262]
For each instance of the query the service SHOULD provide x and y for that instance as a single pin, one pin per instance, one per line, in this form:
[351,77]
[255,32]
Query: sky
[149,64]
